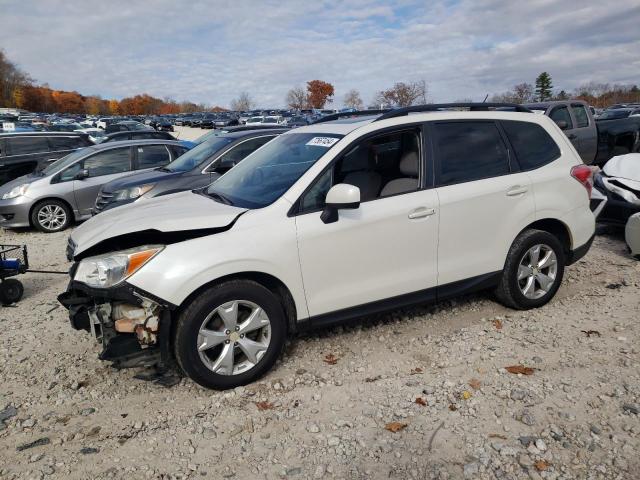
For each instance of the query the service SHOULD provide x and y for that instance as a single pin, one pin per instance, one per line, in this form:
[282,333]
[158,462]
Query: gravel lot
[436,374]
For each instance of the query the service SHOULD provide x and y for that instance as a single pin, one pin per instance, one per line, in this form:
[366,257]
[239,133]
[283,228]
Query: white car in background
[254,120]
[330,222]
[96,135]
[274,120]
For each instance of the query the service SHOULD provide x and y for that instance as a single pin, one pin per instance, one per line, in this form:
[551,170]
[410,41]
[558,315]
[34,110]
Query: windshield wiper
[221,198]
[164,169]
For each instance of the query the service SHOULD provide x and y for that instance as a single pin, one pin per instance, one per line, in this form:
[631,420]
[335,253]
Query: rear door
[585,133]
[484,199]
[102,167]
[561,113]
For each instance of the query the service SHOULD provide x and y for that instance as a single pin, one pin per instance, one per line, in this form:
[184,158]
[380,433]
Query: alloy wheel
[537,271]
[52,217]
[234,337]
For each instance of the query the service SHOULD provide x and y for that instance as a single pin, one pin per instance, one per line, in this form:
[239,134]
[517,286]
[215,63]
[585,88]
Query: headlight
[105,271]
[133,192]
[16,191]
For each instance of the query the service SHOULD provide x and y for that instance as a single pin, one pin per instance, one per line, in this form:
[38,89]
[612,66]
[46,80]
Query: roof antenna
[485,98]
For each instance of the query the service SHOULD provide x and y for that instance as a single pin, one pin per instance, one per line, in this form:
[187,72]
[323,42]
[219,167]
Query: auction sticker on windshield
[322,141]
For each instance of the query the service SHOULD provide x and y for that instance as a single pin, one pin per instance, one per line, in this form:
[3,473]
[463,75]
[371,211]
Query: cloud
[209,51]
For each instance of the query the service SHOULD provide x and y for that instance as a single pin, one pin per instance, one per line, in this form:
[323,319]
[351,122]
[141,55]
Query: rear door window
[468,151]
[151,156]
[112,161]
[561,114]
[531,143]
[582,118]
[65,143]
[27,145]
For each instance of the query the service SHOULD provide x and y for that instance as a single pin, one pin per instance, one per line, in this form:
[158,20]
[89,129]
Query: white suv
[337,220]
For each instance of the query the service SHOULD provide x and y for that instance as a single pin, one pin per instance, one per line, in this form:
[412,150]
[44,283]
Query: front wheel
[230,334]
[51,216]
[533,271]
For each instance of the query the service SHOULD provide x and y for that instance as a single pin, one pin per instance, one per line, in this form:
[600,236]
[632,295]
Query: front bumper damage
[133,327]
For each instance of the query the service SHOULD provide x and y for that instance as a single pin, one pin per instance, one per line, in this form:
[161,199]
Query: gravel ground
[435,374]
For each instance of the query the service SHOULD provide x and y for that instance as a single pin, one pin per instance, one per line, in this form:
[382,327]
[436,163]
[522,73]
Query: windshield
[209,136]
[63,162]
[198,154]
[267,173]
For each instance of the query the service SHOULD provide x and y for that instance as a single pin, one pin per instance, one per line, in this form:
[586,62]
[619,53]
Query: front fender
[182,268]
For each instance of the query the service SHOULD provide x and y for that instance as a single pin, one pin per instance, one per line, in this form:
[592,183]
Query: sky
[210,51]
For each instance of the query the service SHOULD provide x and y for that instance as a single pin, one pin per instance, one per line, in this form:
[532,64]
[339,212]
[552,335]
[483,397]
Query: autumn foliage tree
[319,93]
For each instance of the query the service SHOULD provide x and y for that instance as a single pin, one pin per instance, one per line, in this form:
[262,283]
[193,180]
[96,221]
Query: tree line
[19,90]
[599,95]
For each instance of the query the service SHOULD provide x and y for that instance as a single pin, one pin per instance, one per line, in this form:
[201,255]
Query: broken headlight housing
[105,271]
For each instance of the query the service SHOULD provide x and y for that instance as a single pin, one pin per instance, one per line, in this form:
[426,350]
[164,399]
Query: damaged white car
[330,222]
[619,183]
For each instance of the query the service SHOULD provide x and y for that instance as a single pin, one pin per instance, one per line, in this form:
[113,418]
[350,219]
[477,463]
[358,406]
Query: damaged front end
[619,184]
[133,328]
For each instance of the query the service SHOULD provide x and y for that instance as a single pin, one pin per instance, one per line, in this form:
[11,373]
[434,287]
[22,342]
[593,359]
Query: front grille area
[102,201]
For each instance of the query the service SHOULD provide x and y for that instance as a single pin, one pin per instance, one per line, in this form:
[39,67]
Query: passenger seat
[409,168]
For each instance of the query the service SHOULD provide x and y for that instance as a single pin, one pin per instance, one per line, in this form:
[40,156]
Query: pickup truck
[595,140]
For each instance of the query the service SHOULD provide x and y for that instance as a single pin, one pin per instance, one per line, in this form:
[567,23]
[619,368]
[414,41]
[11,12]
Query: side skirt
[427,296]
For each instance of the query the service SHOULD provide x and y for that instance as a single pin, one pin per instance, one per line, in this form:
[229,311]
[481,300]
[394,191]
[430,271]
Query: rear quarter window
[532,145]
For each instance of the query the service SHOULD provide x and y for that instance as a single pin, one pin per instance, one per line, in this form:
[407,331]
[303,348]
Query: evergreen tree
[544,87]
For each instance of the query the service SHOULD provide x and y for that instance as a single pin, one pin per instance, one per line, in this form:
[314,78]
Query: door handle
[421,212]
[573,136]
[516,190]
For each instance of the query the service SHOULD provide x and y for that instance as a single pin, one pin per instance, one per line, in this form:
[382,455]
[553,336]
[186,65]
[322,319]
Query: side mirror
[82,174]
[340,197]
[562,124]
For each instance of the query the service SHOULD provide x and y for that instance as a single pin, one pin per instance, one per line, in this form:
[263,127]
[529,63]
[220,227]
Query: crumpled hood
[179,212]
[624,166]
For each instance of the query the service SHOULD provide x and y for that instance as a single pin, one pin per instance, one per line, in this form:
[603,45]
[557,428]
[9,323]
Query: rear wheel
[11,291]
[230,335]
[533,271]
[51,216]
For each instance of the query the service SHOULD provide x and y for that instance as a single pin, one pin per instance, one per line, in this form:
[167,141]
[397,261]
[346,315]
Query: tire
[58,220]
[11,291]
[200,366]
[510,291]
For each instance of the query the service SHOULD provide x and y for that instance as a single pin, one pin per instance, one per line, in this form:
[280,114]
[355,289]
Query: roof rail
[358,113]
[241,128]
[434,107]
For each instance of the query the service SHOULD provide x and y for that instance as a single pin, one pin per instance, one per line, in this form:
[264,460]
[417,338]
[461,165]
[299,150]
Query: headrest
[409,164]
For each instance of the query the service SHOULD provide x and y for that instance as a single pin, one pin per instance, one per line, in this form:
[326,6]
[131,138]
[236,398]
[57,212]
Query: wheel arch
[270,282]
[44,199]
[555,227]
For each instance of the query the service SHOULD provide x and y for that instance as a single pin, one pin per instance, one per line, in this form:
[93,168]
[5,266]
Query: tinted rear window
[533,146]
[469,151]
[27,145]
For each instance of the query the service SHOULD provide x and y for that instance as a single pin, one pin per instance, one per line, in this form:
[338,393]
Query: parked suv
[197,168]
[329,222]
[50,199]
[22,153]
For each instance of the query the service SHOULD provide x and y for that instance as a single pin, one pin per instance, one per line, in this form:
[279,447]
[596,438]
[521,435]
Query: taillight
[584,175]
